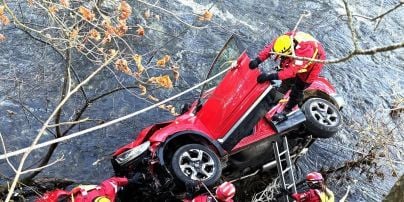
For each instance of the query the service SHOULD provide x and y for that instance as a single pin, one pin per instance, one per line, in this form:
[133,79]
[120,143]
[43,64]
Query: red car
[226,133]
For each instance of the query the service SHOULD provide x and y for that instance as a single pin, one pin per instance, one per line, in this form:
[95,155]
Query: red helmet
[314,176]
[225,191]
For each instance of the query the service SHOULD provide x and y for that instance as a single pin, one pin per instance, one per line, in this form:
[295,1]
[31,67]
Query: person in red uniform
[295,74]
[318,192]
[105,192]
[224,193]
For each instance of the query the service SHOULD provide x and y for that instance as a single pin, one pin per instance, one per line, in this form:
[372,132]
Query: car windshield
[229,54]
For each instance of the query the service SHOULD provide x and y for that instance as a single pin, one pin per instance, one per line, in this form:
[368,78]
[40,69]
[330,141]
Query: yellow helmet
[283,44]
[102,199]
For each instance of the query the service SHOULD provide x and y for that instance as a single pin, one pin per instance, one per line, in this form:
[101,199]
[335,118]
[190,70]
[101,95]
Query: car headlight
[131,154]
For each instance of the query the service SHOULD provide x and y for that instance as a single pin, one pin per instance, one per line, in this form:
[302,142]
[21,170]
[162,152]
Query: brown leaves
[94,34]
[162,62]
[140,30]
[163,81]
[2,10]
[138,60]
[206,16]
[143,89]
[74,34]
[169,108]
[2,38]
[53,9]
[122,65]
[65,3]
[121,29]
[125,10]
[153,98]
[3,18]
[86,13]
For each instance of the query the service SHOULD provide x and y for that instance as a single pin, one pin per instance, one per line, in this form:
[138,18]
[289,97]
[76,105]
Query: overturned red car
[227,133]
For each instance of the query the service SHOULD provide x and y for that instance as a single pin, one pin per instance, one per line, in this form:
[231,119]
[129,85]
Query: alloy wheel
[197,164]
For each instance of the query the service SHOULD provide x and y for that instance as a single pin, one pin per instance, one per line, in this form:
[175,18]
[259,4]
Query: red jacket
[306,47]
[107,189]
[309,196]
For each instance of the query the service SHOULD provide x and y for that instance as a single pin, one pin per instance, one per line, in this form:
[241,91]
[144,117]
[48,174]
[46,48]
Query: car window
[230,54]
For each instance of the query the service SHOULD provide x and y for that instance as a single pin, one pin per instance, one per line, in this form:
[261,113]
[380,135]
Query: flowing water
[31,78]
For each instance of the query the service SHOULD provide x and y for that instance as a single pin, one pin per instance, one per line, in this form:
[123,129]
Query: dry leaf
[107,38]
[206,16]
[74,34]
[2,38]
[125,10]
[53,9]
[138,60]
[176,72]
[163,81]
[112,52]
[152,98]
[142,89]
[147,13]
[162,62]
[94,34]
[122,65]
[65,3]
[4,19]
[86,13]
[121,29]
[169,108]
[106,22]
[2,10]
[157,17]
[140,30]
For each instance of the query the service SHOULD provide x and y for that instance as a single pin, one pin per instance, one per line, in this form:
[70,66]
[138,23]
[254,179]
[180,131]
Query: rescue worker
[105,192]
[318,192]
[224,193]
[295,74]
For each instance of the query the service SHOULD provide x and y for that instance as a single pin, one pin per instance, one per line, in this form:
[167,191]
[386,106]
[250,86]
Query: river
[31,75]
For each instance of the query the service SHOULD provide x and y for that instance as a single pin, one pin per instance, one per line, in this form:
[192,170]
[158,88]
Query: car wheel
[323,119]
[195,162]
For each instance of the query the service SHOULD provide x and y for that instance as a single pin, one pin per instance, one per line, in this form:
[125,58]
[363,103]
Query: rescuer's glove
[267,77]
[254,63]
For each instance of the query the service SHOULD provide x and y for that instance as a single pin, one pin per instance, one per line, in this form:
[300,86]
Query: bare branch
[351,27]
[5,152]
[68,123]
[45,166]
[28,151]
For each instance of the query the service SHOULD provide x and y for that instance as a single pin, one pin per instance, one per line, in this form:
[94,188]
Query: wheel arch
[318,94]
[187,137]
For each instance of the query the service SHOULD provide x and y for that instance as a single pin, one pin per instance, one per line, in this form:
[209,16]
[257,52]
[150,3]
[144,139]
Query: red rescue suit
[107,189]
[314,195]
[309,196]
[305,46]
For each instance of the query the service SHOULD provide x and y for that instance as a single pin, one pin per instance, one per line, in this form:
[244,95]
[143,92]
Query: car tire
[323,119]
[195,162]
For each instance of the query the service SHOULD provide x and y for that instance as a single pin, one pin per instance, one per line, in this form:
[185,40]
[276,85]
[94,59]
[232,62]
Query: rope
[80,133]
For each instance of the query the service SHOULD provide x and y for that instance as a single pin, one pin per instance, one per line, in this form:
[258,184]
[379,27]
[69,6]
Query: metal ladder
[285,173]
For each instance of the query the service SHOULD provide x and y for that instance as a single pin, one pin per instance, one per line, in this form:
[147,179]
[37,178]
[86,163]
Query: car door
[234,95]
